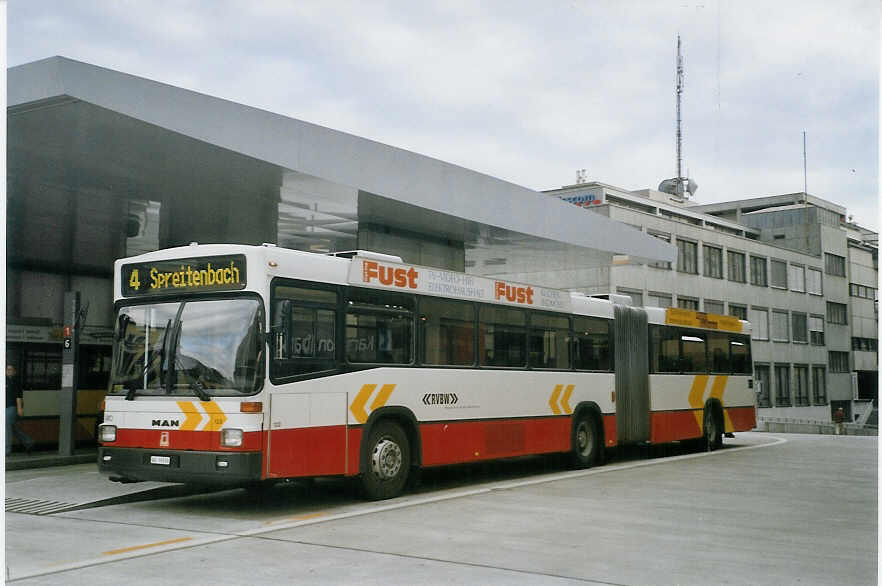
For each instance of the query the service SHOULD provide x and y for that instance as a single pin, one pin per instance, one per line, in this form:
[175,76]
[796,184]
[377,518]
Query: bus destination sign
[186,275]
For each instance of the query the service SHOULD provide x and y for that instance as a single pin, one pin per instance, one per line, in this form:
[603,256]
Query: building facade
[790,264]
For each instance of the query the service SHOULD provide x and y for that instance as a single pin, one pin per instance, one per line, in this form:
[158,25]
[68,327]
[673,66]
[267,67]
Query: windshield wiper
[130,395]
[197,387]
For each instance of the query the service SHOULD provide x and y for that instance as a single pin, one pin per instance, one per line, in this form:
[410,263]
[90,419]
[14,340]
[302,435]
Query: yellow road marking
[382,396]
[145,546]
[357,407]
[192,414]
[552,402]
[216,417]
[295,518]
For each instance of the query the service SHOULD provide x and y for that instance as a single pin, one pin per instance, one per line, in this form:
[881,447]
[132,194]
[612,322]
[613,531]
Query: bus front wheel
[388,461]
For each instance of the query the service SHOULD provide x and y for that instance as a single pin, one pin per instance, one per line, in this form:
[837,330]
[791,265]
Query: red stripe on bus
[307,451]
[669,426]
[182,440]
[451,443]
[742,418]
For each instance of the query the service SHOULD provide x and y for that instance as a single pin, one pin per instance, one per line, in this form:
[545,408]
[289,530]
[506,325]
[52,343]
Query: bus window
[718,352]
[665,349]
[502,336]
[549,341]
[447,331]
[592,344]
[693,357]
[304,324]
[741,363]
[379,327]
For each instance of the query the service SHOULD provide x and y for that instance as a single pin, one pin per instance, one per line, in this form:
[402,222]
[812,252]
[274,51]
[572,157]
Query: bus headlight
[107,432]
[231,438]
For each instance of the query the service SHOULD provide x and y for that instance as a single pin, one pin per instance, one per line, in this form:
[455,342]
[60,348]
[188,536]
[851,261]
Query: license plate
[161,460]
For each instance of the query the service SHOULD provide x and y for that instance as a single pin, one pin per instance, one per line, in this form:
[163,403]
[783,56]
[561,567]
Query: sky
[527,91]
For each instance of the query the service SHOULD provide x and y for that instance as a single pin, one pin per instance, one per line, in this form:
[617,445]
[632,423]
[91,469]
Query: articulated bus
[243,365]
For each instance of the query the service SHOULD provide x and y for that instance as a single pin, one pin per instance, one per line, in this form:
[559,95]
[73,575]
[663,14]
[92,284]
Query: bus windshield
[202,348]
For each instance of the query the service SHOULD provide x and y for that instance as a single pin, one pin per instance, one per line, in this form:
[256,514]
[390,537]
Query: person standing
[14,410]
[839,420]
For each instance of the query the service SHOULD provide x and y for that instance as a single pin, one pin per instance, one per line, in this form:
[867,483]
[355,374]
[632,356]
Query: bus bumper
[190,467]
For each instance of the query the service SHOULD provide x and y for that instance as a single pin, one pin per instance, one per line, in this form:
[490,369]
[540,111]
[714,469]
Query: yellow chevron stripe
[696,398]
[552,402]
[382,396]
[717,390]
[216,417]
[357,407]
[564,402]
[192,414]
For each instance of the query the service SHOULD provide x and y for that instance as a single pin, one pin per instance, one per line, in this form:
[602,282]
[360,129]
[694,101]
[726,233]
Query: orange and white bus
[246,364]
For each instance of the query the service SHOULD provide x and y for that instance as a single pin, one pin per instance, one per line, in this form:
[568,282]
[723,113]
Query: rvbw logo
[440,399]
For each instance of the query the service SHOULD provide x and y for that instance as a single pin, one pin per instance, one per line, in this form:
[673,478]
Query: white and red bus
[248,364]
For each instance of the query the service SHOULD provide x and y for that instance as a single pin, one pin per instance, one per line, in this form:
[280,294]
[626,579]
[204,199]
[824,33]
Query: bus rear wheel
[586,441]
[388,461]
[713,432]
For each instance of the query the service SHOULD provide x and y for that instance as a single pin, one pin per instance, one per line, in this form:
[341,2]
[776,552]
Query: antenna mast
[681,186]
[679,118]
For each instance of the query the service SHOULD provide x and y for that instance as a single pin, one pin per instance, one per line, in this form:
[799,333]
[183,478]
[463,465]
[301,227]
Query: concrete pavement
[801,509]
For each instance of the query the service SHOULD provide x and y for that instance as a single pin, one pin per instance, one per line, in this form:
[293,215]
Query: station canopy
[214,170]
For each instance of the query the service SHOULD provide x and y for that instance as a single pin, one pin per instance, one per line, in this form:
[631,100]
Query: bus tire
[586,441]
[388,461]
[713,431]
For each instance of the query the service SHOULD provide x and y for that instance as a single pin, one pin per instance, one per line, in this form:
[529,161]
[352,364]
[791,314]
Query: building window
[861,291]
[636,296]
[819,384]
[797,278]
[665,238]
[759,319]
[780,329]
[762,375]
[782,385]
[687,257]
[815,282]
[800,389]
[778,274]
[758,274]
[711,306]
[42,369]
[837,313]
[713,262]
[864,344]
[738,311]
[687,302]
[735,262]
[838,361]
[659,300]
[816,330]
[799,327]
[834,264]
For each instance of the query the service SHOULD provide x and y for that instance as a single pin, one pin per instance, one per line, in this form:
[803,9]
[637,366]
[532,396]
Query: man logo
[165,423]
